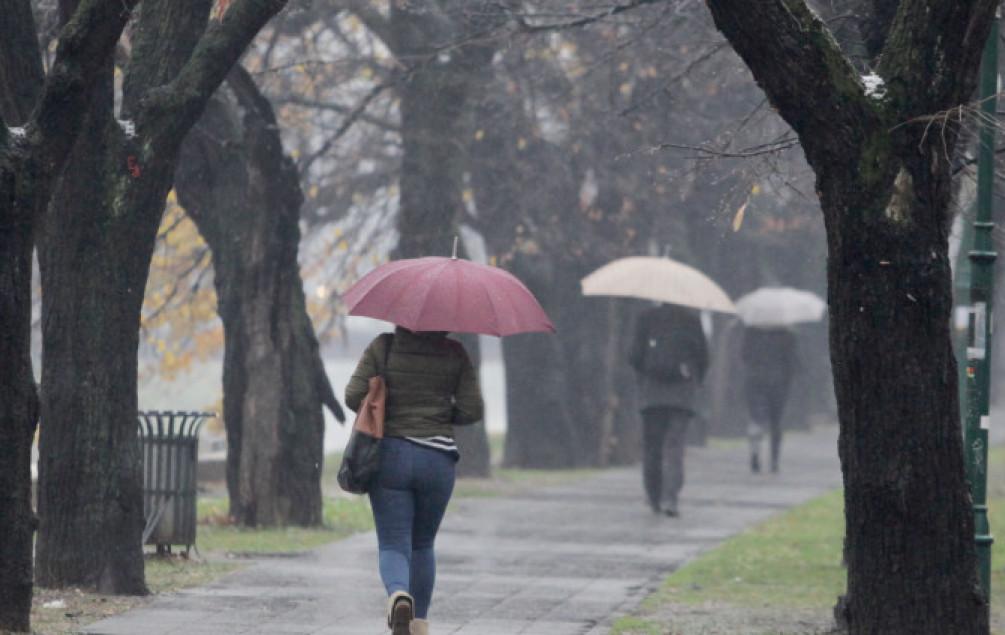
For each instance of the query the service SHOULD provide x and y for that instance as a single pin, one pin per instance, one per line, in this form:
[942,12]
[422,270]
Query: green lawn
[342,517]
[790,562]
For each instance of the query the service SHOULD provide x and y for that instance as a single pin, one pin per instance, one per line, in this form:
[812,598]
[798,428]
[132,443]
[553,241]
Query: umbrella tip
[455,248]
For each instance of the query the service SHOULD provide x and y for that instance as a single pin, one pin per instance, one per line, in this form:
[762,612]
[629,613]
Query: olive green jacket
[431,384]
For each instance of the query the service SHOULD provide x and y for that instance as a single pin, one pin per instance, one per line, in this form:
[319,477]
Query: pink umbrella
[447,294]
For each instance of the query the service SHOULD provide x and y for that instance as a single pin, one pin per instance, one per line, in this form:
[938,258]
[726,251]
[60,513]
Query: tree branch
[929,52]
[876,26]
[21,73]
[85,45]
[170,111]
[164,37]
[803,72]
[581,22]
[351,118]
[295,100]
[705,152]
[698,61]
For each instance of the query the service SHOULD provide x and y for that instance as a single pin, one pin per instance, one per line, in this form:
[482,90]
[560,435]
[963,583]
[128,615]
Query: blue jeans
[409,499]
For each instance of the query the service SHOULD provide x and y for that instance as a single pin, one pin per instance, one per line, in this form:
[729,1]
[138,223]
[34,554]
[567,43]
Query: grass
[790,563]
[793,560]
[635,626]
[342,517]
[996,501]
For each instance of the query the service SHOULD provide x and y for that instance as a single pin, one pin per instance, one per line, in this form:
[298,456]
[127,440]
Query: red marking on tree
[134,167]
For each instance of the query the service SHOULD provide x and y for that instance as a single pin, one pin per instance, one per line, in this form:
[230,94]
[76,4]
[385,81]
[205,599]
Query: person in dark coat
[431,388]
[670,356]
[770,360]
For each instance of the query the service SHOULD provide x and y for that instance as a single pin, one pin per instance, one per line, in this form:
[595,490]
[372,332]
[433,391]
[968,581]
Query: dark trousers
[766,402]
[664,436]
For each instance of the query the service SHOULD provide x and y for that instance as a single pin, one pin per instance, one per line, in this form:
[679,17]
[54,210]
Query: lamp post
[978,364]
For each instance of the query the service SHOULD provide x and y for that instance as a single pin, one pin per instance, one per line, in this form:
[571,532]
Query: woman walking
[431,387]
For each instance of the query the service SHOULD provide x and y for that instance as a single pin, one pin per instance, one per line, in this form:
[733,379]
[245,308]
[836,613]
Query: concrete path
[567,559]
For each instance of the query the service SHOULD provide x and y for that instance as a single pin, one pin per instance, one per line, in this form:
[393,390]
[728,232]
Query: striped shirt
[441,443]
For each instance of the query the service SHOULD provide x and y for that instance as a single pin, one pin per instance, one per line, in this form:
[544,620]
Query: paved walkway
[562,560]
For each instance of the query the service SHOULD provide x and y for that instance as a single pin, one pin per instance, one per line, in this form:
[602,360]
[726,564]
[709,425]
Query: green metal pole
[982,257]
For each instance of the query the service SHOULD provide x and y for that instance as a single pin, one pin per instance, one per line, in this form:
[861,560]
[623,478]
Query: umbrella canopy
[780,306]
[658,279]
[447,294]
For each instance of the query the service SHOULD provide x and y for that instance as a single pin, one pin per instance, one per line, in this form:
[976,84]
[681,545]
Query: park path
[561,560]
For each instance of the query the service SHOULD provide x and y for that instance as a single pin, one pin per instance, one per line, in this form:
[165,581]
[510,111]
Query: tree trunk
[909,531]
[95,252]
[244,195]
[52,112]
[90,481]
[540,431]
[21,80]
[884,185]
[18,401]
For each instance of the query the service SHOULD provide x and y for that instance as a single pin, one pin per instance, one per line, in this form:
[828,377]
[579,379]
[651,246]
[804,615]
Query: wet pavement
[561,560]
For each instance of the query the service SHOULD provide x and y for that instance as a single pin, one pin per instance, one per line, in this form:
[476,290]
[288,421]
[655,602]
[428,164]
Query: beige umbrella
[660,280]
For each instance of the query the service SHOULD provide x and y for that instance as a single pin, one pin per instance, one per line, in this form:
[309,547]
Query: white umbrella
[780,306]
[660,280]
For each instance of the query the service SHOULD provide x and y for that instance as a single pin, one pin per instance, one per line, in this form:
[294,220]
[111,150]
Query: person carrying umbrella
[670,356]
[431,387]
[770,358]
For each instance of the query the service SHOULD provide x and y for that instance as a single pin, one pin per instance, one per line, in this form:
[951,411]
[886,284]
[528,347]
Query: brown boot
[420,627]
[400,610]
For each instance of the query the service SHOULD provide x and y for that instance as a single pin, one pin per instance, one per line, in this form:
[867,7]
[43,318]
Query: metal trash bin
[170,444]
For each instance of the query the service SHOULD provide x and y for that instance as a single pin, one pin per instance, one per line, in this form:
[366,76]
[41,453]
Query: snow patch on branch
[18,133]
[875,87]
[128,127]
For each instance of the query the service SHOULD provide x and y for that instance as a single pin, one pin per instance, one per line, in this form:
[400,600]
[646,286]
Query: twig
[755,151]
[584,21]
[351,118]
[673,80]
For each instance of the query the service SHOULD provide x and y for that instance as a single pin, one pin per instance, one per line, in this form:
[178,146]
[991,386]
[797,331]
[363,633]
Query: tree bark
[21,79]
[885,187]
[244,194]
[94,254]
[51,111]
[18,401]
[541,429]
